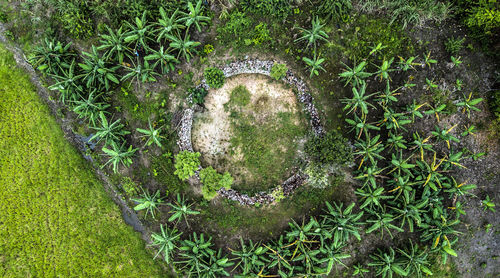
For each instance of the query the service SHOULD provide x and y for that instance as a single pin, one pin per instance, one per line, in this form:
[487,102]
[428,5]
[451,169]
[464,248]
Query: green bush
[454,45]
[336,10]
[215,77]
[198,95]
[261,34]
[278,71]
[276,8]
[186,163]
[318,175]
[213,181]
[235,28]
[331,148]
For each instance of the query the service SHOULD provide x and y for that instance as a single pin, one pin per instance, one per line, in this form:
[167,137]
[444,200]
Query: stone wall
[255,66]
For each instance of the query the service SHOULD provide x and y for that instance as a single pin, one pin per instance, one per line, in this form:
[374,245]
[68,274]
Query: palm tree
[386,264]
[166,241]
[279,255]
[314,65]
[407,64]
[361,125]
[413,110]
[437,230]
[384,69]
[457,190]
[393,120]
[410,211]
[333,254]
[372,197]
[370,175]
[445,135]
[388,96]
[167,24]
[396,141]
[185,47]
[359,100]
[401,164]
[356,74]
[415,261]
[430,174]
[109,132]
[163,59]
[181,209]
[119,154]
[152,134]
[302,237]
[194,16]
[421,144]
[342,223]
[96,71]
[90,107]
[435,110]
[114,45]
[140,34]
[314,35]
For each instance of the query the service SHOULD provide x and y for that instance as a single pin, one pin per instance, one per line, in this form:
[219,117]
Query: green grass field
[55,217]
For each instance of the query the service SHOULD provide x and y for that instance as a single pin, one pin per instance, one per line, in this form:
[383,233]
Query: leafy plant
[215,77]
[109,132]
[152,134]
[278,71]
[342,223]
[139,34]
[454,45]
[96,71]
[185,47]
[488,204]
[194,16]
[89,108]
[198,94]
[139,73]
[386,264]
[181,209]
[314,65]
[163,59]
[469,104]
[335,9]
[213,181]
[119,154]
[317,175]
[314,35]
[167,25]
[250,258]
[186,163]
[355,75]
[114,44]
[166,242]
[51,56]
[330,148]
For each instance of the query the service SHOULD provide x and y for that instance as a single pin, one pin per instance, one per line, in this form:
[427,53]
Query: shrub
[215,77]
[318,175]
[335,9]
[186,163]
[261,34]
[198,95]
[237,25]
[278,71]
[213,181]
[331,148]
[276,8]
[454,45]
[208,48]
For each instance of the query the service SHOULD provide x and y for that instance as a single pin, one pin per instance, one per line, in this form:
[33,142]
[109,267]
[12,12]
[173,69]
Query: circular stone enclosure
[254,128]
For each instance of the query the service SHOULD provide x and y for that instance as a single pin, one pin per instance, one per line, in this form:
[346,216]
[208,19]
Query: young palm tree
[302,237]
[372,197]
[333,255]
[388,96]
[370,175]
[167,24]
[314,65]
[279,256]
[421,144]
[382,221]
[435,110]
[194,16]
[384,69]
[166,241]
[96,71]
[163,59]
[359,100]
[140,34]
[355,75]
[413,110]
[181,209]
[437,230]
[185,47]
[109,132]
[114,45]
[410,211]
[407,64]
[445,135]
[148,202]
[119,154]
[314,35]
[90,108]
[415,261]
[361,125]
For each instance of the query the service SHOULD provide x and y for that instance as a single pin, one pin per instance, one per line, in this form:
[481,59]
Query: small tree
[186,163]
[215,77]
[213,181]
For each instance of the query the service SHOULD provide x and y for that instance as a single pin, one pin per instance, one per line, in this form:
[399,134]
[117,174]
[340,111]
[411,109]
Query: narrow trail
[129,215]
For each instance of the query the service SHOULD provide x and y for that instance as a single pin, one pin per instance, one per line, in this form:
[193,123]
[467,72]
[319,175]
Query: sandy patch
[211,132]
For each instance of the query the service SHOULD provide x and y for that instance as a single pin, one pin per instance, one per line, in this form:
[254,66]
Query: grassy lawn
[55,217]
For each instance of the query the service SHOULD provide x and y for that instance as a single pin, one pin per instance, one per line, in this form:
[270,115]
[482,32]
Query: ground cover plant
[56,217]
[395,180]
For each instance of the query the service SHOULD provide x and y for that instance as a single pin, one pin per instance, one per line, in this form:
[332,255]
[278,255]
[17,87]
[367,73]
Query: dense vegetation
[406,115]
[55,216]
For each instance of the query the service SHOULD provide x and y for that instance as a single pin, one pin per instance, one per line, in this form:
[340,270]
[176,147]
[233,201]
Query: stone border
[255,66]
